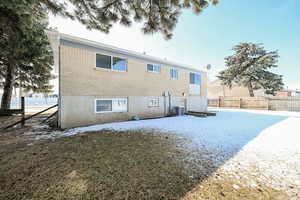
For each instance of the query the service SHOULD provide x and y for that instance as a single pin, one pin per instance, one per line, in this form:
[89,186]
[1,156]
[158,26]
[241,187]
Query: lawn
[236,155]
[99,165]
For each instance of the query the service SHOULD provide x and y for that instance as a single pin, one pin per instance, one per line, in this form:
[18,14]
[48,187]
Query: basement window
[111,105]
[110,62]
[153,68]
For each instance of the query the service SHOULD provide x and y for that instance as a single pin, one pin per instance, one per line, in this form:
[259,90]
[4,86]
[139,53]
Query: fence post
[219,102]
[23,111]
[240,103]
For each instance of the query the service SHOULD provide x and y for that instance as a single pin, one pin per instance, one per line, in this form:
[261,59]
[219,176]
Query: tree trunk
[250,89]
[8,87]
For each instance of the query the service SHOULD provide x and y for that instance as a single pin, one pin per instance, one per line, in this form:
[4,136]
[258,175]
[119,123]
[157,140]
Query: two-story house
[100,83]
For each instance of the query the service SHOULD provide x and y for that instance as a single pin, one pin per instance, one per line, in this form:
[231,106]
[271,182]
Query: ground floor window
[111,105]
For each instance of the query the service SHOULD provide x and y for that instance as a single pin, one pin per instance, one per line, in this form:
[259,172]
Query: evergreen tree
[157,15]
[249,67]
[25,56]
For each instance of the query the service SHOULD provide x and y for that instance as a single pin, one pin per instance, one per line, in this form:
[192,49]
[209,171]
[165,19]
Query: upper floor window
[103,61]
[194,78]
[153,68]
[110,62]
[119,64]
[174,73]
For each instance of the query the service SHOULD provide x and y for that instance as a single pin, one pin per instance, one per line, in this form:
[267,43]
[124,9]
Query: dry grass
[14,137]
[113,165]
[101,165]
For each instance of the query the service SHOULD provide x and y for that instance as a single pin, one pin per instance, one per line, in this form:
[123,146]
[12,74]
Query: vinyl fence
[259,103]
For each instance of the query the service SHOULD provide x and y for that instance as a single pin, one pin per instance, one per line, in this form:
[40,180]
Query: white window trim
[102,112]
[153,64]
[111,62]
[95,106]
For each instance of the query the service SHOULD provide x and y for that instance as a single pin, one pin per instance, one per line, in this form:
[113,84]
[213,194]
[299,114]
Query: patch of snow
[44,134]
[262,112]
[255,145]
[273,156]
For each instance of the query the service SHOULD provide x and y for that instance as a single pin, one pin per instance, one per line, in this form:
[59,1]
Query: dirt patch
[75,184]
[220,186]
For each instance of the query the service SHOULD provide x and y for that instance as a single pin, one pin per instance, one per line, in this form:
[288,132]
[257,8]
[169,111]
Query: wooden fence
[258,103]
[22,112]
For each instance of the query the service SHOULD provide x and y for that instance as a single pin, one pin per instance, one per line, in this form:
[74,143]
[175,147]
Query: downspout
[59,86]
[165,104]
[169,103]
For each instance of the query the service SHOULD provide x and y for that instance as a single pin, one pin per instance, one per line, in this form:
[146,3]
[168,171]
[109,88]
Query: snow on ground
[245,143]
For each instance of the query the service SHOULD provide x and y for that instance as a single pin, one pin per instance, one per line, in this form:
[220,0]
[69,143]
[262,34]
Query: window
[194,78]
[174,73]
[103,105]
[153,102]
[194,87]
[103,61]
[119,64]
[153,68]
[111,105]
[120,105]
[110,62]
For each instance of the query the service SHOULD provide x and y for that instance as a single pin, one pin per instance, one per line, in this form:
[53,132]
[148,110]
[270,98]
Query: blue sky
[209,37]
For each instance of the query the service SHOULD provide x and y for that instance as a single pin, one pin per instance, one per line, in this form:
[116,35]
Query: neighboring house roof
[288,90]
[92,45]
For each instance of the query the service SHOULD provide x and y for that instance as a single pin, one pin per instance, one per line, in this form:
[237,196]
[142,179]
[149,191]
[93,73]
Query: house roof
[97,46]
[288,90]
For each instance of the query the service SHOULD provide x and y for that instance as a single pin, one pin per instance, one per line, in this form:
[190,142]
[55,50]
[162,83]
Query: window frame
[111,62]
[112,103]
[153,68]
[170,74]
[103,67]
[199,74]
